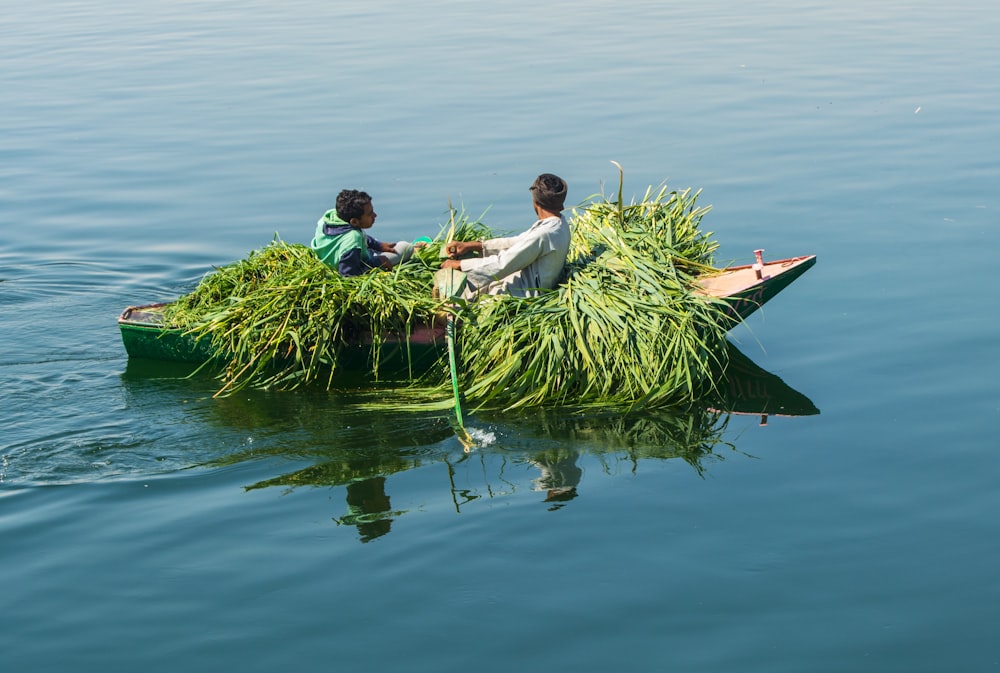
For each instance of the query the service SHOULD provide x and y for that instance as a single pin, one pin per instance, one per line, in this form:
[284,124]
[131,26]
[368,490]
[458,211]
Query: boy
[341,243]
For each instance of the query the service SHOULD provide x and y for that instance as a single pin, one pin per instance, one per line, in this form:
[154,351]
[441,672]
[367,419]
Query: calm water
[145,525]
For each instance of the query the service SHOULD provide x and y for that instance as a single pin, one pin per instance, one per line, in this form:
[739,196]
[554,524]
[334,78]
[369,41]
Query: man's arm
[522,252]
[457,249]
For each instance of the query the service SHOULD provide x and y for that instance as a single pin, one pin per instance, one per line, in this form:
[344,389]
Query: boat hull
[146,335]
[747,288]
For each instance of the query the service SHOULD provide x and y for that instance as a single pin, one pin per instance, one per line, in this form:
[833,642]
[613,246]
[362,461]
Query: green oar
[449,331]
[449,284]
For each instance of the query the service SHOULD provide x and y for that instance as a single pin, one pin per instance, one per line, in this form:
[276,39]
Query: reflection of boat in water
[747,389]
[358,441]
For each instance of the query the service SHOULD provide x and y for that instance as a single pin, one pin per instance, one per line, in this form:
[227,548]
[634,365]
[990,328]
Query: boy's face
[367,219]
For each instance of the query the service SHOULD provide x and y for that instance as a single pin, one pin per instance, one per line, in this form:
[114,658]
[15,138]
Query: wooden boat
[146,334]
[747,288]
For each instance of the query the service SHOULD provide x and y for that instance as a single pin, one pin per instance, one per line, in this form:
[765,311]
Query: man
[525,264]
[342,244]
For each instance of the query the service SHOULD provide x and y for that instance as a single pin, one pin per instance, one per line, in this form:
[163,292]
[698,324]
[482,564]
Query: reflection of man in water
[560,476]
[368,504]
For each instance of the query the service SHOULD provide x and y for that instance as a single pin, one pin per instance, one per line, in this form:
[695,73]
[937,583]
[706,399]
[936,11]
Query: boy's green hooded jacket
[344,248]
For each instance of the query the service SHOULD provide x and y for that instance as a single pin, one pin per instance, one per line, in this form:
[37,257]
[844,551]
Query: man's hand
[457,249]
[451,264]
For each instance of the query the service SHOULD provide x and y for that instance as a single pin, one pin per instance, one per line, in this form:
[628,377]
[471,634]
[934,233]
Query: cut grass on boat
[625,327]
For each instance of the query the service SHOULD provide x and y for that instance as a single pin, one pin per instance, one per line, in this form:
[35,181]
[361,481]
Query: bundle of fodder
[280,318]
[626,328]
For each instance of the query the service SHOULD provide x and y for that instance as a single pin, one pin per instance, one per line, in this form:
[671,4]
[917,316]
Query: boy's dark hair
[351,203]
[549,191]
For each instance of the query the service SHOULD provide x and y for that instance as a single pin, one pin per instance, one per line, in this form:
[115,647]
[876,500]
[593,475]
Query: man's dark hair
[351,203]
[549,192]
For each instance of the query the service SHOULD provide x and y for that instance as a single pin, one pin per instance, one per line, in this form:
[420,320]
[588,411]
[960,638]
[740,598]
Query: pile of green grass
[281,318]
[625,328]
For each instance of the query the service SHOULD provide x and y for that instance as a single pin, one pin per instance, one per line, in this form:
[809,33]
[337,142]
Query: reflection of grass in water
[345,470]
[385,444]
[348,435]
[550,442]
[691,436]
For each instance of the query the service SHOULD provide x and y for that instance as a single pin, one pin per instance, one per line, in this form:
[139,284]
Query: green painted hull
[146,336]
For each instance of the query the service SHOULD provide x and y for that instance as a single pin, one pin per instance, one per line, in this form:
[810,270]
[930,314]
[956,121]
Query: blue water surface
[147,525]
